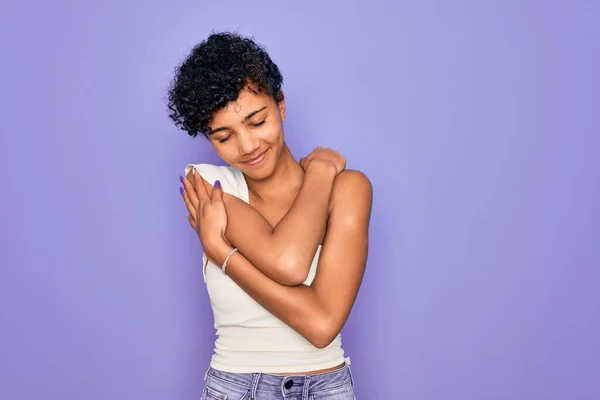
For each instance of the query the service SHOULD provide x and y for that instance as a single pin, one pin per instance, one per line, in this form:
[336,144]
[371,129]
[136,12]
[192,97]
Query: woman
[285,242]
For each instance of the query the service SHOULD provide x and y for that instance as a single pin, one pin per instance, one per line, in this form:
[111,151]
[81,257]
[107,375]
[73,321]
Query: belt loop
[255,380]
[306,387]
[206,374]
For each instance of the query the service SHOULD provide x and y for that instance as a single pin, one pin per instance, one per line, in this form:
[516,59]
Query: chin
[258,173]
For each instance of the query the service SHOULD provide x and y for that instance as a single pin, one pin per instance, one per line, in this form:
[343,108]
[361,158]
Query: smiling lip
[258,159]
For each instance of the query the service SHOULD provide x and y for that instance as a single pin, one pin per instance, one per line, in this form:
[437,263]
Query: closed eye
[258,124]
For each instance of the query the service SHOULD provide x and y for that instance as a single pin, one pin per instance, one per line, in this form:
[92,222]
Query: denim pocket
[211,394]
[344,392]
[221,392]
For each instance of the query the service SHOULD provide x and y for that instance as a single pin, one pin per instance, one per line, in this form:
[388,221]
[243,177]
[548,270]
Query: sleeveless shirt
[249,338]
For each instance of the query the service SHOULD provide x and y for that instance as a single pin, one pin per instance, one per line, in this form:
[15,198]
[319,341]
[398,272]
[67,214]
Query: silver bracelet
[227,259]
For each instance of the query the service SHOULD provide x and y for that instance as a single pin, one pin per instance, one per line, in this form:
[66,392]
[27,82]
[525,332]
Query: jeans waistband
[285,384]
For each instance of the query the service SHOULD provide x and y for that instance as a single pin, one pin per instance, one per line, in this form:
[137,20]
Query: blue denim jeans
[334,385]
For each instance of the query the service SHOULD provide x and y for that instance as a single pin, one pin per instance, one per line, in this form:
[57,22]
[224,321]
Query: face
[248,133]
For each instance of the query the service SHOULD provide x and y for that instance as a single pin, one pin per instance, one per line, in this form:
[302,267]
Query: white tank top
[250,338]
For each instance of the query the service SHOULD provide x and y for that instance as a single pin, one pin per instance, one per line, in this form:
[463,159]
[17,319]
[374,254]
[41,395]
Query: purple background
[477,122]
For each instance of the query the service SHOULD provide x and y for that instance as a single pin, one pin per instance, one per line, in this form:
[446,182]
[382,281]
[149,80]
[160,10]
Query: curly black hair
[214,74]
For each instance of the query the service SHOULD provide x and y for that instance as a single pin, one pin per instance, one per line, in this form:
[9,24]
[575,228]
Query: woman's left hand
[208,217]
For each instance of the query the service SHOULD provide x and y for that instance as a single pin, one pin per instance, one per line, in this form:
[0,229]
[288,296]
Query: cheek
[226,153]
[273,133]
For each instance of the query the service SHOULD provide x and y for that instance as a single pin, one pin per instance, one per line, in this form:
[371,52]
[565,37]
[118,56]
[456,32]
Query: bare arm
[283,253]
[318,312]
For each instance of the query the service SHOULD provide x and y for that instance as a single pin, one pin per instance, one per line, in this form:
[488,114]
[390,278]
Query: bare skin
[289,201]
[286,229]
[331,205]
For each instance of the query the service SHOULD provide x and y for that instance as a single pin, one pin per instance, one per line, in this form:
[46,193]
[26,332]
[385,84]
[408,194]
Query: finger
[310,156]
[342,161]
[306,160]
[190,192]
[189,205]
[199,188]
[316,150]
[217,193]
[191,221]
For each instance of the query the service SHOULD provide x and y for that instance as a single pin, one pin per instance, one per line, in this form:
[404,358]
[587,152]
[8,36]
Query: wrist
[218,251]
[321,168]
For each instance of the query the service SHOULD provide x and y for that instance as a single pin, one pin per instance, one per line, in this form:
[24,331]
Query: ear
[281,105]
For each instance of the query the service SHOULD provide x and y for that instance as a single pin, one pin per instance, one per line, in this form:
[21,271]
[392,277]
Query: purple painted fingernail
[181,191]
[218,184]
[181,178]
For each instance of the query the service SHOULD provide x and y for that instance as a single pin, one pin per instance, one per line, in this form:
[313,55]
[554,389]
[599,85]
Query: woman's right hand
[326,156]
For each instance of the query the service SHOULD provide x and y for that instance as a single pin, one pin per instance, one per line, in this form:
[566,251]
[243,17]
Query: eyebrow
[246,118]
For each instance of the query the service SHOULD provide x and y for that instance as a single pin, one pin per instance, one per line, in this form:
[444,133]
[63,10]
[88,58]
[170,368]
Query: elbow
[321,343]
[323,334]
[295,277]
[293,271]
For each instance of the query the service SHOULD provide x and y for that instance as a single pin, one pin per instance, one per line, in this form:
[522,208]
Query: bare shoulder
[351,178]
[351,181]
[352,194]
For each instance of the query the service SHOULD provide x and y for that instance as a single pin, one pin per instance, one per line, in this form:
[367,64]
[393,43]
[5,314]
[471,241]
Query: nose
[248,144]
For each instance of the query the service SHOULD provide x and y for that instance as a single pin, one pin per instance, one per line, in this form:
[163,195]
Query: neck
[287,178]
